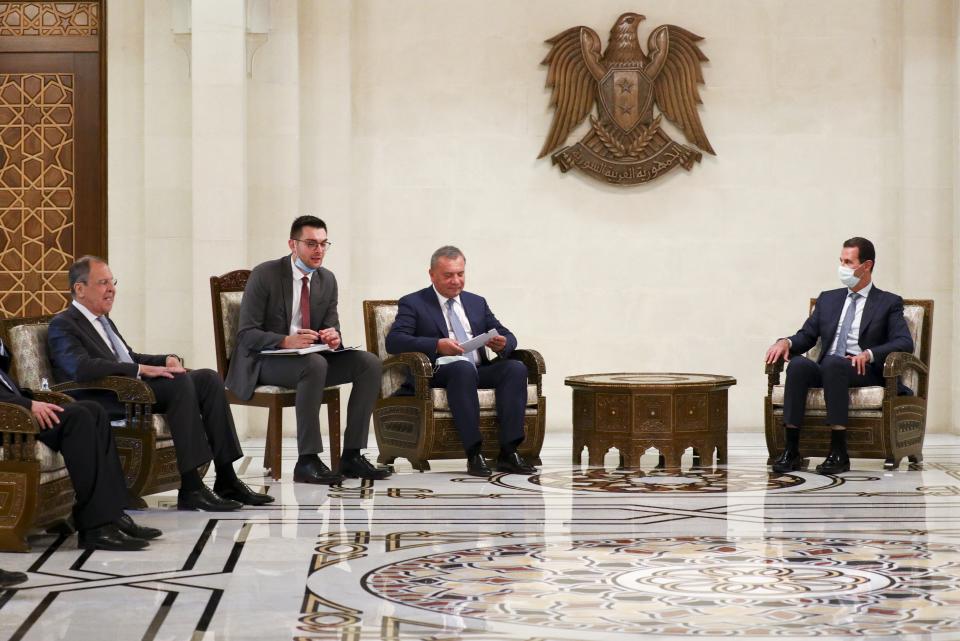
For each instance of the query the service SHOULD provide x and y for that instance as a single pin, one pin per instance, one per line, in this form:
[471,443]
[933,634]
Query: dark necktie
[844,334]
[305,303]
[118,347]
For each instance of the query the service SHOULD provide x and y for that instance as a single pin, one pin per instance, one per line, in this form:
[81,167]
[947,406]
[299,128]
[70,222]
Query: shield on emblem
[626,96]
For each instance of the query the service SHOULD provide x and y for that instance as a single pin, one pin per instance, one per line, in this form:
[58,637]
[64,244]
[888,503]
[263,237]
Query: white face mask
[847,277]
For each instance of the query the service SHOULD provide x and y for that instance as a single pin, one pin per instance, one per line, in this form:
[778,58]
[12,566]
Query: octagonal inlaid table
[637,411]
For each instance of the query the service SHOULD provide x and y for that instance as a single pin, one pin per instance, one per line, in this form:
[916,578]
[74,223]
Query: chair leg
[272,453]
[332,400]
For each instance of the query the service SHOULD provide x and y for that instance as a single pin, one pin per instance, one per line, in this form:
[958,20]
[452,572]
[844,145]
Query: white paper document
[478,341]
[313,349]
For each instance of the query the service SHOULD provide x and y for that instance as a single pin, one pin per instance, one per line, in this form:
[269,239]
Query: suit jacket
[78,353]
[882,327]
[420,323]
[9,396]
[265,315]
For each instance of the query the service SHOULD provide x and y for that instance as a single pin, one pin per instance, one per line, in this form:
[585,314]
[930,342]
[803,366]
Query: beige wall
[407,125]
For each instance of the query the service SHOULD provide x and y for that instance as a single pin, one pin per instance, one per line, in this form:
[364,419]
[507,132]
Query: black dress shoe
[126,525]
[315,471]
[11,578]
[477,466]
[239,491]
[358,467]
[835,463]
[205,500]
[788,461]
[514,464]
[109,537]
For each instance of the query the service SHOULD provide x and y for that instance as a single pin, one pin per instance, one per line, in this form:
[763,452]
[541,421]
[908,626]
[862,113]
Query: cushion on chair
[778,412]
[394,377]
[487,398]
[160,425]
[272,389]
[913,314]
[52,466]
[861,398]
[230,301]
[29,346]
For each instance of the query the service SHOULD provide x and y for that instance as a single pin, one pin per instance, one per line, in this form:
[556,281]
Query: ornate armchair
[420,427]
[35,488]
[882,424]
[226,293]
[144,442]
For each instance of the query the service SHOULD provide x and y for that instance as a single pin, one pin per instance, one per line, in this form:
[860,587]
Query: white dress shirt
[90,316]
[296,318]
[462,315]
[853,339]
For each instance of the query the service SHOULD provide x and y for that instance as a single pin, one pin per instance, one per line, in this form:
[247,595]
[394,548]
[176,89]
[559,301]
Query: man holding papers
[291,304]
[439,321]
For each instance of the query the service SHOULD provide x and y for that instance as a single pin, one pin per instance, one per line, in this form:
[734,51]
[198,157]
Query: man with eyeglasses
[291,302]
[85,345]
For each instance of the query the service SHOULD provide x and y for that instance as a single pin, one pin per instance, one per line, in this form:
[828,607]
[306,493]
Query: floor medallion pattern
[700,586]
[636,481]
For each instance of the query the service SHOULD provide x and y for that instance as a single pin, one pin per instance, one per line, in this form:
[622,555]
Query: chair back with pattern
[378,317]
[919,316]
[26,339]
[226,293]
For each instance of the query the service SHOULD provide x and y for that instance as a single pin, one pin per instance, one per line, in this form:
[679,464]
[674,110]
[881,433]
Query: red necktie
[305,303]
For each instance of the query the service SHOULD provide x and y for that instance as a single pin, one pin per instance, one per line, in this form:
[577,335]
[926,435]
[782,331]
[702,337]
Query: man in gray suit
[291,302]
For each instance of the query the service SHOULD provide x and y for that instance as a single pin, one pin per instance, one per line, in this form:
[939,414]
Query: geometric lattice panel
[37,191]
[49,18]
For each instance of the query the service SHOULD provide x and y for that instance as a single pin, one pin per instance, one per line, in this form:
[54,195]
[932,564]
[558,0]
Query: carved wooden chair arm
[773,371]
[536,366]
[56,398]
[15,419]
[898,363]
[419,366]
[135,395]
[128,390]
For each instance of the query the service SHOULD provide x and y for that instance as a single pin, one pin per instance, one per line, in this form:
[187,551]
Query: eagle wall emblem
[626,144]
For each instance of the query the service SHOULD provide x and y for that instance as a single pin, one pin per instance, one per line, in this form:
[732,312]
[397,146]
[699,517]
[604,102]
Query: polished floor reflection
[569,554]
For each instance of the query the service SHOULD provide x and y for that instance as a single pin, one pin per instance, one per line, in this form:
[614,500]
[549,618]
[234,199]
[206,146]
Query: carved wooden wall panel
[52,149]
[36,191]
[49,18]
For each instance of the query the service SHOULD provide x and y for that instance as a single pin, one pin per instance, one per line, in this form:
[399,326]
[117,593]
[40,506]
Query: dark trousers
[309,374]
[461,380]
[199,417]
[836,375]
[85,440]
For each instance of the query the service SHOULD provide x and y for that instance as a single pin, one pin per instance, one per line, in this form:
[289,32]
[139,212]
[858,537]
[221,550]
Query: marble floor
[569,554]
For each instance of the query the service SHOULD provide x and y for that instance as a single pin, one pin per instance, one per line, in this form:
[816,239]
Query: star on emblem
[626,109]
[625,85]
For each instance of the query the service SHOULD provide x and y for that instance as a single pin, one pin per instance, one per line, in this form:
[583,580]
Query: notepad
[313,349]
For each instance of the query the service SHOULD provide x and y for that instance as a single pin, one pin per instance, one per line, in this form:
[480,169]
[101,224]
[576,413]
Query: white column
[168,207]
[125,167]
[219,172]
[927,266]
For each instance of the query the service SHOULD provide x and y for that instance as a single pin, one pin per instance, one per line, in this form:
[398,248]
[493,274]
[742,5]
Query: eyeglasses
[313,244]
[103,282]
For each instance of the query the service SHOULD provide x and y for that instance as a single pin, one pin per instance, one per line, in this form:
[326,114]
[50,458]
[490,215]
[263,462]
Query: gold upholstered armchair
[226,294]
[35,488]
[420,427]
[144,442]
[882,424]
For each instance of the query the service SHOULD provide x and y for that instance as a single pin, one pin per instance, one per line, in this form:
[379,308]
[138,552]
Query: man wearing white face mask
[857,325]
[291,302]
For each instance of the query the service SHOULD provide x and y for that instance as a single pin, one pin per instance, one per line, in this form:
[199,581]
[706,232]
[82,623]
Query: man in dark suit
[81,433]
[85,345]
[291,302]
[435,321]
[857,326]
